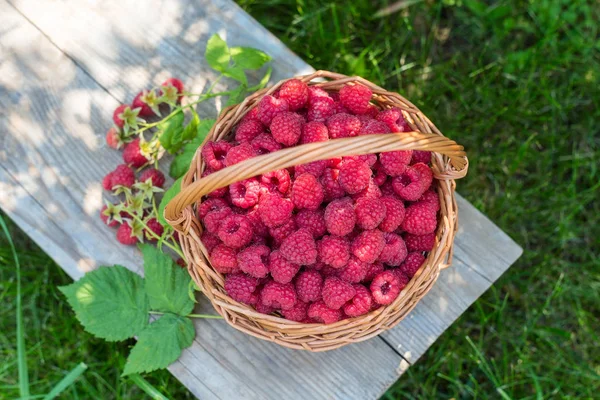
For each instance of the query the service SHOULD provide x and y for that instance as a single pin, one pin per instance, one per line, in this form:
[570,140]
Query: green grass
[517,84]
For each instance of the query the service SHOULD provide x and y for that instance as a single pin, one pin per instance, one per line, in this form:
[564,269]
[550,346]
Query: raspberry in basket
[354,176]
[248,130]
[281,232]
[420,219]
[331,185]
[316,168]
[282,270]
[269,107]
[334,250]
[245,193]
[274,210]
[214,154]
[343,125]
[239,153]
[385,287]
[254,260]
[356,98]
[309,285]
[319,312]
[278,295]
[307,192]
[276,182]
[337,292]
[394,213]
[211,205]
[320,109]
[264,143]
[394,251]
[369,212]
[431,197]
[313,220]
[295,92]
[355,271]
[240,287]
[300,247]
[367,246]
[394,163]
[235,231]
[361,302]
[411,265]
[394,119]
[286,128]
[224,259]
[340,218]
[297,313]
[419,243]
[314,132]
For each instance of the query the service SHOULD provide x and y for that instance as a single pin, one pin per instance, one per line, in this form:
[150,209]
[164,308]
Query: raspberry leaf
[181,162]
[238,74]
[217,53]
[236,96]
[168,196]
[248,58]
[191,129]
[160,344]
[166,283]
[110,302]
[171,132]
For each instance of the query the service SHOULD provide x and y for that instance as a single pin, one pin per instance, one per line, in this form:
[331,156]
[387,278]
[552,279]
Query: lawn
[517,84]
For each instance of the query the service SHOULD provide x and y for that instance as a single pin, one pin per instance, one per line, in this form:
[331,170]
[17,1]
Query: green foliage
[171,132]
[181,162]
[168,196]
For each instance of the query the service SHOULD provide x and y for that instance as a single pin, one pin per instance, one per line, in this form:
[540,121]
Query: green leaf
[180,164]
[160,344]
[203,128]
[217,53]
[249,58]
[168,196]
[166,283]
[191,129]
[263,82]
[171,136]
[110,302]
[237,96]
[236,73]
[66,382]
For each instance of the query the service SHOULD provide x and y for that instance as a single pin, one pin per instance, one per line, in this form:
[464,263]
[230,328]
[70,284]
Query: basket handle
[455,167]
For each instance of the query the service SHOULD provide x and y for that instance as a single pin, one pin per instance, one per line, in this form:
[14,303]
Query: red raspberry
[224,259]
[209,241]
[248,130]
[319,312]
[213,220]
[380,175]
[394,119]
[372,111]
[386,286]
[369,212]
[264,143]
[361,302]
[214,154]
[278,295]
[318,266]
[145,110]
[295,92]
[309,285]
[132,154]
[316,93]
[107,217]
[269,107]
[387,189]
[157,177]
[300,247]
[320,109]
[276,182]
[356,98]
[373,127]
[367,246]
[425,174]
[281,269]
[334,251]
[177,84]
[125,235]
[259,228]
[394,251]
[235,231]
[394,163]
[372,191]
[328,270]
[307,192]
[420,219]
[252,114]
[412,263]
[281,232]
[254,260]
[314,132]
[331,186]
[245,193]
[112,138]
[211,205]
[240,287]
[394,213]
[337,292]
[313,220]
[373,271]
[155,227]
[121,176]
[355,271]
[431,197]
[354,176]
[369,159]
[343,125]
[239,153]
[419,156]
[419,243]
[286,128]
[274,210]
[315,168]
[340,218]
[116,118]
[296,313]
[261,308]
[408,185]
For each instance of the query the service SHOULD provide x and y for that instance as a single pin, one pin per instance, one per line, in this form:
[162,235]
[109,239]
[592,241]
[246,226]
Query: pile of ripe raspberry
[327,240]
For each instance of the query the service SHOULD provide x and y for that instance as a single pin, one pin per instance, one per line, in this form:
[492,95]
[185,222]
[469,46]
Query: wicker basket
[449,162]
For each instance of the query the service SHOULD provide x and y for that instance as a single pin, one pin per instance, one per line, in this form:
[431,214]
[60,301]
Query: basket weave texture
[449,162]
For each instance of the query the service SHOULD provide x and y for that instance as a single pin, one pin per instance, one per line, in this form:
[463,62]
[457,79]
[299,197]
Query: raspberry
[239,153]
[245,193]
[320,109]
[334,251]
[336,292]
[340,218]
[361,302]
[355,271]
[248,130]
[369,159]
[425,174]
[121,176]
[125,235]
[214,154]
[275,182]
[296,313]
[155,227]
[274,210]
[211,205]
[213,220]
[235,231]
[286,128]
[369,212]
[340,109]
[431,197]
[394,163]
[278,295]
[313,220]
[420,219]
[107,217]
[300,247]
[368,245]
[281,269]
[254,260]
[295,92]
[224,259]
[394,251]
[372,111]
[394,213]
[343,125]
[145,110]
[264,143]
[259,228]
[354,176]
[356,98]
[282,231]
[393,118]
[309,285]
[252,114]
[261,308]
[380,175]
[372,127]
[419,156]
[116,118]
[408,185]
[177,84]
[412,263]
[132,154]
[331,186]
[314,132]
[387,189]
[157,177]
[386,286]
[307,192]
[240,287]
[316,93]
[315,168]
[269,107]
[419,243]
[209,241]
[373,271]
[372,191]
[319,312]
[112,138]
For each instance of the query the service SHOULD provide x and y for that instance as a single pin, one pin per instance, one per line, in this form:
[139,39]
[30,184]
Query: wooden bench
[64,67]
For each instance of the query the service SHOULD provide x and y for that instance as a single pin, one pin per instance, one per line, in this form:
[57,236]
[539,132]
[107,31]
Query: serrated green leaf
[168,196]
[236,73]
[180,164]
[203,128]
[166,283]
[110,302]
[217,53]
[171,132]
[248,58]
[236,96]
[160,344]
[191,129]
